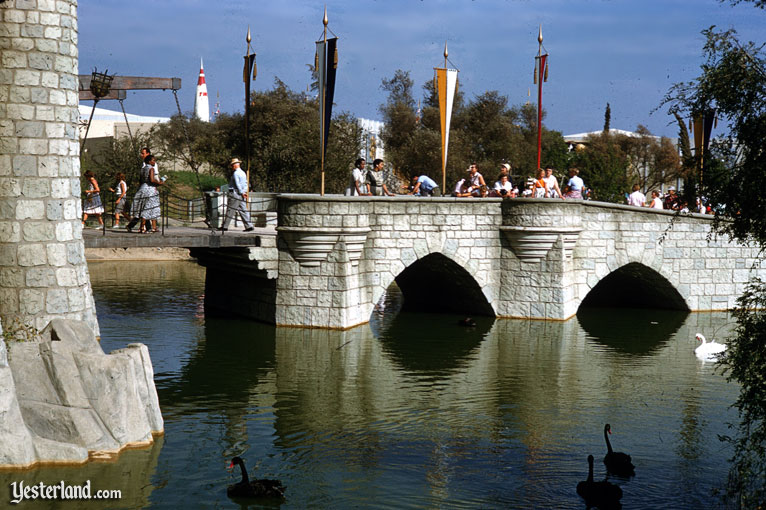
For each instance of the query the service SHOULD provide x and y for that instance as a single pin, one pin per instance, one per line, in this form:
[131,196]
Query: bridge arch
[634,285]
[439,284]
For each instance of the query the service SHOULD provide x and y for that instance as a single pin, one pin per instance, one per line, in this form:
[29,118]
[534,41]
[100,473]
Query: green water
[411,411]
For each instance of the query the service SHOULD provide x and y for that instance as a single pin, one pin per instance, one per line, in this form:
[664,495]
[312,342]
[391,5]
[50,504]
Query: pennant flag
[249,66]
[446,85]
[707,129]
[541,76]
[327,65]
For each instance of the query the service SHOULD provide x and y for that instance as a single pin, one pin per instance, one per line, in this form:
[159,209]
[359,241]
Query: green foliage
[651,163]
[761,4]
[113,156]
[603,166]
[183,180]
[733,81]
[745,360]
[14,330]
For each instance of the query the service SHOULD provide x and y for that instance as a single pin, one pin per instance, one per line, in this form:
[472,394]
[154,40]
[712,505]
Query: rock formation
[62,399]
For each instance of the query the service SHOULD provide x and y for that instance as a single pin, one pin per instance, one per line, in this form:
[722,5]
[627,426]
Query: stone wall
[43,273]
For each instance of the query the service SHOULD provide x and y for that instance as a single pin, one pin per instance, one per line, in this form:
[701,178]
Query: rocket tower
[201,105]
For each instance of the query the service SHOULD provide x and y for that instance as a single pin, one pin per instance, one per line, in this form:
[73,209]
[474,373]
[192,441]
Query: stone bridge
[334,257]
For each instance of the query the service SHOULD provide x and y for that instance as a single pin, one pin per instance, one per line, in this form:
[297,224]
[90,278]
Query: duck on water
[617,463]
[247,488]
[602,494]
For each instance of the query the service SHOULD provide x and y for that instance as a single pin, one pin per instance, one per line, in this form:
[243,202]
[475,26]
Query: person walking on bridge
[237,200]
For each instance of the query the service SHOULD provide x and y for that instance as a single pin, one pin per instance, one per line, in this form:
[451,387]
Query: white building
[578,141]
[372,145]
[111,124]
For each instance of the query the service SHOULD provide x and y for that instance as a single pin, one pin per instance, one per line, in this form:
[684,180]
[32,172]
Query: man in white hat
[237,202]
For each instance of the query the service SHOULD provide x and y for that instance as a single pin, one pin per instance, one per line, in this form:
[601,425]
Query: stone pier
[43,274]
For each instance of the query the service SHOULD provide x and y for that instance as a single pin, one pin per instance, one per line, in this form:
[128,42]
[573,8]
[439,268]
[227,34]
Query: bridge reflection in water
[415,411]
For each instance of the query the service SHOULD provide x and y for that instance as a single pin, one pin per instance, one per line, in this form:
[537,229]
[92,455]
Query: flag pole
[541,62]
[444,160]
[247,107]
[322,91]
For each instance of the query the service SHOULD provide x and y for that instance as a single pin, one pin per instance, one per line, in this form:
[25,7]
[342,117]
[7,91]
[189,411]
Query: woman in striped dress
[92,205]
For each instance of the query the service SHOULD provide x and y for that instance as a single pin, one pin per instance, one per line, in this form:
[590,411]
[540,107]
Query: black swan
[617,463]
[247,488]
[600,494]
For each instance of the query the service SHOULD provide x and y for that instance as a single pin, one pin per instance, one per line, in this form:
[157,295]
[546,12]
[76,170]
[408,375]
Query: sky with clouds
[625,52]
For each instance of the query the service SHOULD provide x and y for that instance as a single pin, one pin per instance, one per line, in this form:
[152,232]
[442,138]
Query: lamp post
[100,83]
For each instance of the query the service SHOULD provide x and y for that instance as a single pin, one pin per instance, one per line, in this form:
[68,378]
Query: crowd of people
[372,183]
[545,185]
[670,201]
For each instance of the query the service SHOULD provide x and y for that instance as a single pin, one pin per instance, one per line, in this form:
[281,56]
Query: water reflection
[133,473]
[443,350]
[223,369]
[417,412]
[636,331]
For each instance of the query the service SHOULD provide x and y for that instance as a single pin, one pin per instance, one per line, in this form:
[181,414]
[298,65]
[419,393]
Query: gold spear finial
[540,34]
[324,20]
[446,53]
[248,35]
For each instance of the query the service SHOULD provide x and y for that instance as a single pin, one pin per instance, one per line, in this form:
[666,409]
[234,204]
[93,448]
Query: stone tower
[43,274]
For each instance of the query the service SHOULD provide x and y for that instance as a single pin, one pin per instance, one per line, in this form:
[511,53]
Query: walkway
[175,237]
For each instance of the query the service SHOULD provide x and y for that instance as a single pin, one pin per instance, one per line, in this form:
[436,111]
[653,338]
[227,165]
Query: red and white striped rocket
[201,104]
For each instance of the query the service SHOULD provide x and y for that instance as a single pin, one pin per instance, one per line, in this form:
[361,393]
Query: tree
[399,118]
[733,81]
[604,167]
[607,118]
[651,162]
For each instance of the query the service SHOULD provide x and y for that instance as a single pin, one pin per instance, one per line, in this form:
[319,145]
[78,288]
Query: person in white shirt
[637,198]
[477,180]
[119,204]
[462,188]
[503,187]
[552,183]
[358,185]
[656,200]
[237,200]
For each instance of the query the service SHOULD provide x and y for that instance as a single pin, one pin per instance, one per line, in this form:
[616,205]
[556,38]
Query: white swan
[708,350]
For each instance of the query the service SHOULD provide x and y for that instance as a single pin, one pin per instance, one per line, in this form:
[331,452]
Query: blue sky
[627,52]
